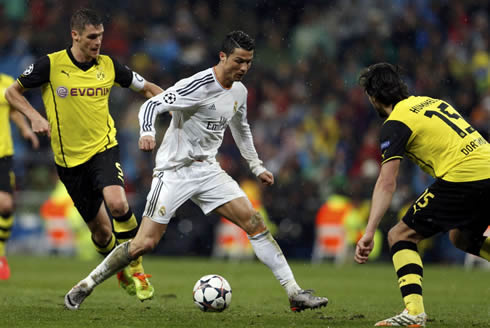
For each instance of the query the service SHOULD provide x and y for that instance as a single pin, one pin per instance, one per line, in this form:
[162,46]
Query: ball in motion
[212,293]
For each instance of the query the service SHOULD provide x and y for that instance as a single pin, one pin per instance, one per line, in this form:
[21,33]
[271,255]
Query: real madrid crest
[235,106]
[162,211]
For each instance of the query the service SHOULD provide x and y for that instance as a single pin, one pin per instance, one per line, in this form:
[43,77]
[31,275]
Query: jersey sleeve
[394,137]
[36,74]
[167,101]
[240,129]
[124,76]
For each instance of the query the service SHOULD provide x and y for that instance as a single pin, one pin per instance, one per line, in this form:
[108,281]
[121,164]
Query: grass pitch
[359,295]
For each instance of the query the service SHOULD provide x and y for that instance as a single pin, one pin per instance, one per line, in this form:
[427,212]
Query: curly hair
[382,81]
[237,39]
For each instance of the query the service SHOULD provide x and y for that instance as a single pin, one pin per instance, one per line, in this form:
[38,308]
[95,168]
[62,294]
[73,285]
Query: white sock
[269,252]
[117,260]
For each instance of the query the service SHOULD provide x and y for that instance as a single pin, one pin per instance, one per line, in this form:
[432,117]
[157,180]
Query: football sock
[269,252]
[409,269]
[125,227]
[479,246]
[6,223]
[113,263]
[105,249]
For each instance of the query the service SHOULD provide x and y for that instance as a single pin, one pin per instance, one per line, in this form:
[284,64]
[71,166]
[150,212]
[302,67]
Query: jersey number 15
[448,118]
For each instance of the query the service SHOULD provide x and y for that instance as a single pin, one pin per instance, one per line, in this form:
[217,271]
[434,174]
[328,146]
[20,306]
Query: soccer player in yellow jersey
[7,178]
[75,84]
[433,134]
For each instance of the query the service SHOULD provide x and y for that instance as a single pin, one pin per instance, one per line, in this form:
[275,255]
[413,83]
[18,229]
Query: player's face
[89,41]
[378,107]
[237,64]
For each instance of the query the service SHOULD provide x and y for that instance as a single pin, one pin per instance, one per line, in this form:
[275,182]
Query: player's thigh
[167,193]
[402,232]
[106,169]
[218,188]
[442,207]
[78,182]
[6,203]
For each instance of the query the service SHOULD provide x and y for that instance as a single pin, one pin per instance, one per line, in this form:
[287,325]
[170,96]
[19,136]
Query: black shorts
[86,181]
[448,205]
[7,177]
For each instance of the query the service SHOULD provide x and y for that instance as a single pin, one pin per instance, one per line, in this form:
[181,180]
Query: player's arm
[394,138]
[34,76]
[24,128]
[240,130]
[167,101]
[127,78]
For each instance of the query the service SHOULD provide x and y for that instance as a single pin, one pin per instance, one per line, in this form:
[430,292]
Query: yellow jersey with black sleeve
[433,134]
[6,145]
[76,99]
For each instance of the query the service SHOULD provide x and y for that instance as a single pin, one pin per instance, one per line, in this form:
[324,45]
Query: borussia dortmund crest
[100,75]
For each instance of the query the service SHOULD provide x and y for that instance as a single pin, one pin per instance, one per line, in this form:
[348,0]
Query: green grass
[359,295]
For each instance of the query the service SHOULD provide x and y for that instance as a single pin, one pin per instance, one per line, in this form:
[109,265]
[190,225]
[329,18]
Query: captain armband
[137,83]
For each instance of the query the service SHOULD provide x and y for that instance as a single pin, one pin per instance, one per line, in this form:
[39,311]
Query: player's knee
[102,236]
[141,247]
[6,206]
[458,239]
[255,224]
[118,207]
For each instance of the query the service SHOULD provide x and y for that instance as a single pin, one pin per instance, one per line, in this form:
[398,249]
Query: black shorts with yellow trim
[448,205]
[86,181]
[7,177]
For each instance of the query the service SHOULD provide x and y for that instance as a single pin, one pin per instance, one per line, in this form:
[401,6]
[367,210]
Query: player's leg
[148,236]
[240,212]
[6,223]
[471,242]
[7,184]
[109,178]
[403,242]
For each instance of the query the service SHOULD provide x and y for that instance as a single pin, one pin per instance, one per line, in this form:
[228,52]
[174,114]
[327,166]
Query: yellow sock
[125,227]
[485,249]
[409,268]
[6,224]
[104,250]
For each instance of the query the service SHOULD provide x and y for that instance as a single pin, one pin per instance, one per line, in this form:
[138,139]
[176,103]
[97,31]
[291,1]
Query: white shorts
[207,185]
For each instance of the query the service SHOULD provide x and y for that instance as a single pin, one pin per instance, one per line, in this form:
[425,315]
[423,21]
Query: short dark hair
[237,39]
[383,82]
[83,17]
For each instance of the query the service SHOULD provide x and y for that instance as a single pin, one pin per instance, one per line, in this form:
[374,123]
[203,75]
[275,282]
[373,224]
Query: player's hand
[266,178]
[363,248]
[147,143]
[28,134]
[41,126]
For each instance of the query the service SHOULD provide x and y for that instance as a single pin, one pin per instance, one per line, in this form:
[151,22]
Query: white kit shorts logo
[170,98]
[28,70]
[62,92]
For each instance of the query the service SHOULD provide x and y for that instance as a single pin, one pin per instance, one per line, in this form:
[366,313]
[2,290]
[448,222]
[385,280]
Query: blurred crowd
[311,122]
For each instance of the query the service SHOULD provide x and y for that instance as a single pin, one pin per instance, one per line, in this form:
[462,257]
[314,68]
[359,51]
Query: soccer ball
[212,293]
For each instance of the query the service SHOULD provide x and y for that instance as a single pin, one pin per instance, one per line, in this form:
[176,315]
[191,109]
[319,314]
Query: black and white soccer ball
[212,293]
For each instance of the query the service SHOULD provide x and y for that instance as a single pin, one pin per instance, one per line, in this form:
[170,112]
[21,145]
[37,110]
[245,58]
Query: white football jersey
[201,111]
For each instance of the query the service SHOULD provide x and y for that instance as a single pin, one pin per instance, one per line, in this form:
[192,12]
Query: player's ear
[75,36]
[222,56]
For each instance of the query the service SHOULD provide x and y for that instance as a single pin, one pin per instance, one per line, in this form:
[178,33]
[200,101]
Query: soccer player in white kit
[202,107]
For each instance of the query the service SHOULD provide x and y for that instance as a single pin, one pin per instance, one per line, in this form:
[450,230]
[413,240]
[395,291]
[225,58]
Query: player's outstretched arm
[14,96]
[150,90]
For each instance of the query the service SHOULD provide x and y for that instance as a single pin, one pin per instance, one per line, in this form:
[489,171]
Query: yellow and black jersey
[434,135]
[76,97]
[6,146]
